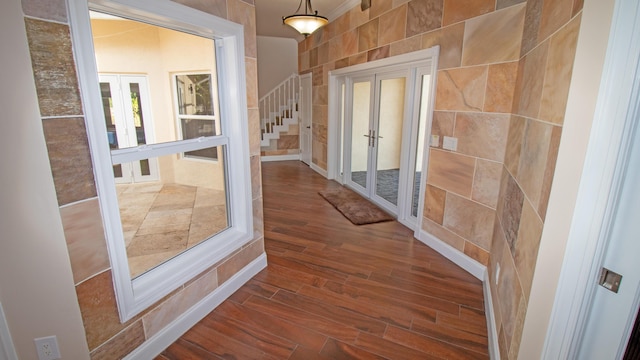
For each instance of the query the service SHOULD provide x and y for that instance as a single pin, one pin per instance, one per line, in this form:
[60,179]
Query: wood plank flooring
[334,290]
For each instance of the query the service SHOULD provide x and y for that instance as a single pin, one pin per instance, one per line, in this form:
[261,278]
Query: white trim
[319,170]
[7,351]
[333,127]
[492,329]
[269,158]
[416,56]
[170,333]
[468,264]
[608,144]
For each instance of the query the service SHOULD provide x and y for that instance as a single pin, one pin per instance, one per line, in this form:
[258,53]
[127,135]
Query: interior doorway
[305,112]
[381,115]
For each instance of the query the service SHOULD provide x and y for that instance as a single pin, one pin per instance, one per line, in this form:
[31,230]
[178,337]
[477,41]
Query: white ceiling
[269,14]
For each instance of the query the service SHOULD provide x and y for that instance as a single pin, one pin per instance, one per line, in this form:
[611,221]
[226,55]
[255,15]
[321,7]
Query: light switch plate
[450,143]
[435,141]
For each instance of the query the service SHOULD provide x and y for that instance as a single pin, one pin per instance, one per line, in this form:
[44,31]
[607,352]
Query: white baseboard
[492,329]
[319,170]
[468,264]
[280,157]
[480,272]
[167,336]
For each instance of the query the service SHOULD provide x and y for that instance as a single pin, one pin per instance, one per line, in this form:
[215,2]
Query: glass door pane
[387,138]
[424,85]
[360,132]
[114,118]
[136,103]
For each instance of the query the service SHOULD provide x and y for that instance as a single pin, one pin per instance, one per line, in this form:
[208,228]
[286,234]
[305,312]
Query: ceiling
[269,14]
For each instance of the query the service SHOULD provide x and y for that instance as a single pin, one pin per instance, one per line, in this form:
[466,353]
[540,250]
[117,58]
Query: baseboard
[280,157]
[167,336]
[492,329]
[480,272]
[319,170]
[468,264]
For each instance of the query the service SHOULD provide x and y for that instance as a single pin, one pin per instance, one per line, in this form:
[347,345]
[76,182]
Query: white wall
[36,284]
[583,94]
[277,59]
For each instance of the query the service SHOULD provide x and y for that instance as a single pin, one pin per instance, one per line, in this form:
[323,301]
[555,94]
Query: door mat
[354,207]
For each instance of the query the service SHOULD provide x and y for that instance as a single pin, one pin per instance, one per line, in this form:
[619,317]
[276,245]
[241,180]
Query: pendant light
[305,23]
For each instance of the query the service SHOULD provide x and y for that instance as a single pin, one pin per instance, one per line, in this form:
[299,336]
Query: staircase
[279,109]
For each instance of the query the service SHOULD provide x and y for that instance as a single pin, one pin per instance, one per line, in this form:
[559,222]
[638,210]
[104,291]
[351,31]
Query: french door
[385,121]
[127,112]
[376,127]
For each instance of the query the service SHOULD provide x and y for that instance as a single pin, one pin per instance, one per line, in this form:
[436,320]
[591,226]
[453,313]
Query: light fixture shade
[306,24]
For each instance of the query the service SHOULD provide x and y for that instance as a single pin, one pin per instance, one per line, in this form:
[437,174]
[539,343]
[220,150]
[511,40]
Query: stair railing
[282,98]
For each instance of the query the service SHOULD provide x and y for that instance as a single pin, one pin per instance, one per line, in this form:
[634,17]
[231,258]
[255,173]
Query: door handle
[370,142]
[308,127]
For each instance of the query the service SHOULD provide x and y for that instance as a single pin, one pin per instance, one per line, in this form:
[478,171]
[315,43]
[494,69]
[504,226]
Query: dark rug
[354,207]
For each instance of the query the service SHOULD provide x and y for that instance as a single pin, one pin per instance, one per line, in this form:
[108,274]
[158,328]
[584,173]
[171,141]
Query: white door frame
[423,59]
[608,147]
[305,115]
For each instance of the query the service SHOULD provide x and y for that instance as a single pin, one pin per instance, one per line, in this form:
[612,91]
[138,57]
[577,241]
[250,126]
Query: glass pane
[109,115]
[388,138]
[195,128]
[360,138]
[161,219]
[194,94]
[136,107]
[149,101]
[117,171]
[144,167]
[424,104]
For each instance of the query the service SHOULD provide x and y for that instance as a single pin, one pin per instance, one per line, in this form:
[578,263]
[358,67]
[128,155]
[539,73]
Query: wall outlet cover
[47,348]
[450,143]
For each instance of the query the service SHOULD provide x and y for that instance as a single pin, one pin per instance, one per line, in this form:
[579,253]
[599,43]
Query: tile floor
[162,220]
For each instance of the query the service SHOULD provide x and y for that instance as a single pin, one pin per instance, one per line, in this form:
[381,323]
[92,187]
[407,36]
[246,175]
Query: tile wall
[503,78]
[65,134]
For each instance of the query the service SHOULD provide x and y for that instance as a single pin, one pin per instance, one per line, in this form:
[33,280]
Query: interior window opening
[167,204]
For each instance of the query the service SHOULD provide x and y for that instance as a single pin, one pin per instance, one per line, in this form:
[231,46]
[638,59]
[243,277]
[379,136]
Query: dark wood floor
[333,290]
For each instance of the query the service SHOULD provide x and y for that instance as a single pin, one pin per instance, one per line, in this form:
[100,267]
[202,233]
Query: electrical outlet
[47,348]
[450,143]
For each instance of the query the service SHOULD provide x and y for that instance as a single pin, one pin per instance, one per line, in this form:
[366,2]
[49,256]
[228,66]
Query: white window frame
[215,118]
[135,295]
